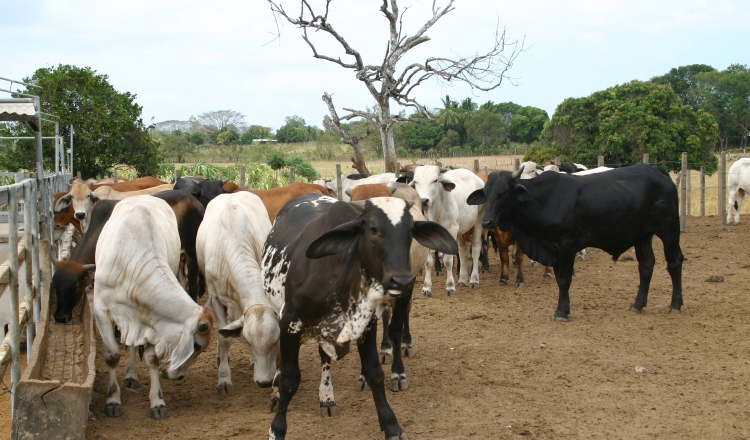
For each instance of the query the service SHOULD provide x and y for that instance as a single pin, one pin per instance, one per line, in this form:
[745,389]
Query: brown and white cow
[107,193]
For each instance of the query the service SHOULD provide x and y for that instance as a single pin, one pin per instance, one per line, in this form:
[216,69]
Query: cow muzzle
[488,224]
[425,202]
[398,284]
[80,215]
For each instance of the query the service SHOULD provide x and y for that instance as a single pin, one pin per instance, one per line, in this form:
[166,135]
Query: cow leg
[131,376]
[407,349]
[438,266]
[738,205]
[450,282]
[674,257]
[476,248]
[155,397]
[519,265]
[564,274]
[289,378]
[374,376]
[504,266]
[386,349]
[193,273]
[224,385]
[464,248]
[548,272]
[427,287]
[644,253]
[395,333]
[113,404]
[484,255]
[328,406]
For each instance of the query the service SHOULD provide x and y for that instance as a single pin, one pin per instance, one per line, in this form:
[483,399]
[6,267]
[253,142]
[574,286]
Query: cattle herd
[295,263]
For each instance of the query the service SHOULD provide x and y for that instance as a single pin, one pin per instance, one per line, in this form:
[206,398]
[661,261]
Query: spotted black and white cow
[330,268]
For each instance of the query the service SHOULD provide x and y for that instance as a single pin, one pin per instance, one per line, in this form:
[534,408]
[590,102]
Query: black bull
[556,215]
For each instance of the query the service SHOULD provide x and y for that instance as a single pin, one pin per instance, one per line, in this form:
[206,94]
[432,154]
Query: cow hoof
[329,411]
[675,311]
[399,384]
[534,264]
[386,357]
[225,388]
[407,351]
[580,258]
[401,436]
[561,319]
[462,284]
[547,276]
[271,404]
[474,285]
[426,294]
[635,309]
[362,385]
[437,273]
[502,283]
[450,292]
[131,383]
[112,410]
[159,412]
[519,285]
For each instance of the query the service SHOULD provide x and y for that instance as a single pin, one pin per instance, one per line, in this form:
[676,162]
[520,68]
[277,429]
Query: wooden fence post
[476,165]
[703,191]
[683,193]
[242,177]
[688,174]
[291,175]
[438,163]
[557,161]
[723,189]
[338,181]
[517,164]
[78,174]
[645,158]
[116,175]
[177,174]
[218,175]
[600,161]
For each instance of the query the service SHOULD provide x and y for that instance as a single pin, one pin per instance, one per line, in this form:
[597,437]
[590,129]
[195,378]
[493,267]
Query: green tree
[527,124]
[256,132]
[294,130]
[107,124]
[422,135]
[726,95]
[228,137]
[625,121]
[485,129]
[684,81]
[303,168]
[175,146]
[197,138]
[276,160]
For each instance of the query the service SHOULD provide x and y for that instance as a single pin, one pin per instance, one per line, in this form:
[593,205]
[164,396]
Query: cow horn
[487,171]
[539,167]
[89,267]
[359,205]
[442,170]
[517,172]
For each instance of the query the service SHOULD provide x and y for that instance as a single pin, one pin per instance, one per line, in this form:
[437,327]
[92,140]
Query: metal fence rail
[38,215]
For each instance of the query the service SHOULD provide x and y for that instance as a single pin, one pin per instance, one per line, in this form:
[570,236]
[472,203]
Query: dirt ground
[491,363]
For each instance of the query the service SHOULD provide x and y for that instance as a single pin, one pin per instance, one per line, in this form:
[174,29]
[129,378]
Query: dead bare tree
[481,72]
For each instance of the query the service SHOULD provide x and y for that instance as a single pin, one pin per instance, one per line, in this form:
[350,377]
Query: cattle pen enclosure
[491,363]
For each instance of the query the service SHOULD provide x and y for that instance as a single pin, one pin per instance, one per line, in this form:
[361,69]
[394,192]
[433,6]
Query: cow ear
[232,330]
[432,235]
[89,267]
[522,194]
[335,241]
[447,183]
[94,198]
[348,192]
[63,202]
[182,352]
[478,197]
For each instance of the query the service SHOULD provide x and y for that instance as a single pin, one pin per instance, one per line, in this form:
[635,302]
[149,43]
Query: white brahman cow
[443,194]
[82,199]
[738,181]
[229,248]
[135,289]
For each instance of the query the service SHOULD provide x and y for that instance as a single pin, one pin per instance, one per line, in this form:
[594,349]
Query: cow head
[430,181]
[500,193]
[194,339]
[381,236]
[82,199]
[211,189]
[68,285]
[259,326]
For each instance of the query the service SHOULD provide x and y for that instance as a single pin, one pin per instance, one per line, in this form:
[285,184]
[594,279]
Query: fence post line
[116,175]
[30,293]
[291,175]
[36,268]
[703,191]
[723,189]
[600,161]
[557,161]
[517,164]
[242,177]
[690,191]
[15,330]
[683,193]
[476,165]
[338,181]
[177,174]
[645,158]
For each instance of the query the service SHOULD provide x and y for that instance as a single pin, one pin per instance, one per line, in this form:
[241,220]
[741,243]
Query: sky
[184,58]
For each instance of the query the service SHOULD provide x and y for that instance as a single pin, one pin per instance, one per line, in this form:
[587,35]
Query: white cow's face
[429,181]
[192,343]
[259,327]
[82,199]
